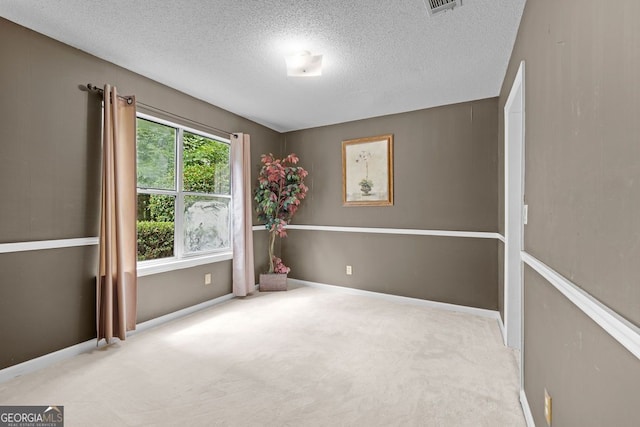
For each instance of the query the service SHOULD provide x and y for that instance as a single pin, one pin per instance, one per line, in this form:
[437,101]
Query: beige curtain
[244,279]
[116,286]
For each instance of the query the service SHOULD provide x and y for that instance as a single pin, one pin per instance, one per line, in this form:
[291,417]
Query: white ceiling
[380,57]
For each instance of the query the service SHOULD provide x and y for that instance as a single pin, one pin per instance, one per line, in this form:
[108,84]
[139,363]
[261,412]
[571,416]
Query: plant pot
[365,187]
[273,282]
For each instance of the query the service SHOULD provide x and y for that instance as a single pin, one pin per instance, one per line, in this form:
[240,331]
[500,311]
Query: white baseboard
[502,330]
[406,300]
[66,353]
[140,327]
[528,416]
[43,361]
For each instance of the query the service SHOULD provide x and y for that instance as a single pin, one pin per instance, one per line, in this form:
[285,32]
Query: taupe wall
[445,179]
[164,293]
[592,379]
[452,270]
[49,182]
[583,191]
[47,301]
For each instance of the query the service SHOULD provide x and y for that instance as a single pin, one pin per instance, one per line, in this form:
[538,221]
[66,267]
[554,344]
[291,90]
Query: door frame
[514,125]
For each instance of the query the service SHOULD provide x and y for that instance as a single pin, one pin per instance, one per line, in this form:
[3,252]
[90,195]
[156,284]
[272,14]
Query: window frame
[180,259]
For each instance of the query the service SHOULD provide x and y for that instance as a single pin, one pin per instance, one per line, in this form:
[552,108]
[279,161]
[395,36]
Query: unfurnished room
[292,213]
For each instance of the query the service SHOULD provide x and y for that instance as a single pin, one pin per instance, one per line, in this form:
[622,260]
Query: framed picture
[367,171]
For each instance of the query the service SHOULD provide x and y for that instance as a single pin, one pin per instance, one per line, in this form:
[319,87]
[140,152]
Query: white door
[514,112]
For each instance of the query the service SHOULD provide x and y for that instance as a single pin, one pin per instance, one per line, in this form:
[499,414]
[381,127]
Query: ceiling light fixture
[303,64]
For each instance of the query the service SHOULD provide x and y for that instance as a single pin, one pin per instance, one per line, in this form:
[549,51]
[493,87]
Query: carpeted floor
[306,357]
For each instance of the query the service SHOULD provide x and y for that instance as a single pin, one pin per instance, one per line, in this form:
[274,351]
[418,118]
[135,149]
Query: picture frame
[367,171]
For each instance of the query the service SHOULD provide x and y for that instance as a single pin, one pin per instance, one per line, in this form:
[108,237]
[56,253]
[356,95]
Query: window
[184,191]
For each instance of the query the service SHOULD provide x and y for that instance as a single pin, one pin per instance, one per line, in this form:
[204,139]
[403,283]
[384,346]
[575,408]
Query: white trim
[178,206]
[66,353]
[147,268]
[152,118]
[514,134]
[491,314]
[43,361]
[625,332]
[528,416]
[47,244]
[502,330]
[501,237]
[517,81]
[140,327]
[402,231]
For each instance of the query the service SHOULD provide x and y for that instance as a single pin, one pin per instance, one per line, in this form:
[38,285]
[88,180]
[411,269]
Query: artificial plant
[278,195]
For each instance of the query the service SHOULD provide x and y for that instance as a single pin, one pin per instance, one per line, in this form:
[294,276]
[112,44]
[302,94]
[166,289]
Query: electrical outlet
[547,407]
[207,279]
[349,270]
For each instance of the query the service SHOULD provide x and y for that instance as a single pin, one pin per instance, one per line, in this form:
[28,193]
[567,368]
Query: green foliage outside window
[206,165]
[156,155]
[155,240]
[205,170]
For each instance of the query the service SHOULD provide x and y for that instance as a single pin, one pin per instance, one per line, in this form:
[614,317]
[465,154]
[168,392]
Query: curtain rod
[129,100]
[93,88]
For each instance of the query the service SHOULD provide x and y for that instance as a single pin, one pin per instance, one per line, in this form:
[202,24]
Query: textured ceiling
[380,57]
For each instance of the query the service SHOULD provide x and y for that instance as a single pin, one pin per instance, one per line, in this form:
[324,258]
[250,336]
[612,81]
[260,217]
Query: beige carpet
[306,357]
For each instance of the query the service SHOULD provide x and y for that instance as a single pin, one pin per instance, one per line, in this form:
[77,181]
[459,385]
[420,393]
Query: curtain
[117,278]
[243,271]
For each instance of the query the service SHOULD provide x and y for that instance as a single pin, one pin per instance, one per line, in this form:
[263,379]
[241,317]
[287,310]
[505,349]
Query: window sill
[147,268]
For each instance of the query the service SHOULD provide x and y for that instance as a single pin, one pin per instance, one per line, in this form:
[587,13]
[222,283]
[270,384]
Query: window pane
[206,223]
[206,165]
[155,226]
[156,147]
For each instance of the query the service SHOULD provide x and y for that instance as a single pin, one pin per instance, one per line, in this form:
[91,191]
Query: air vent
[438,6]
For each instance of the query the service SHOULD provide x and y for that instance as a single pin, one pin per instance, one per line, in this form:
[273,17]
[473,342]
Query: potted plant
[278,195]
[366,184]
